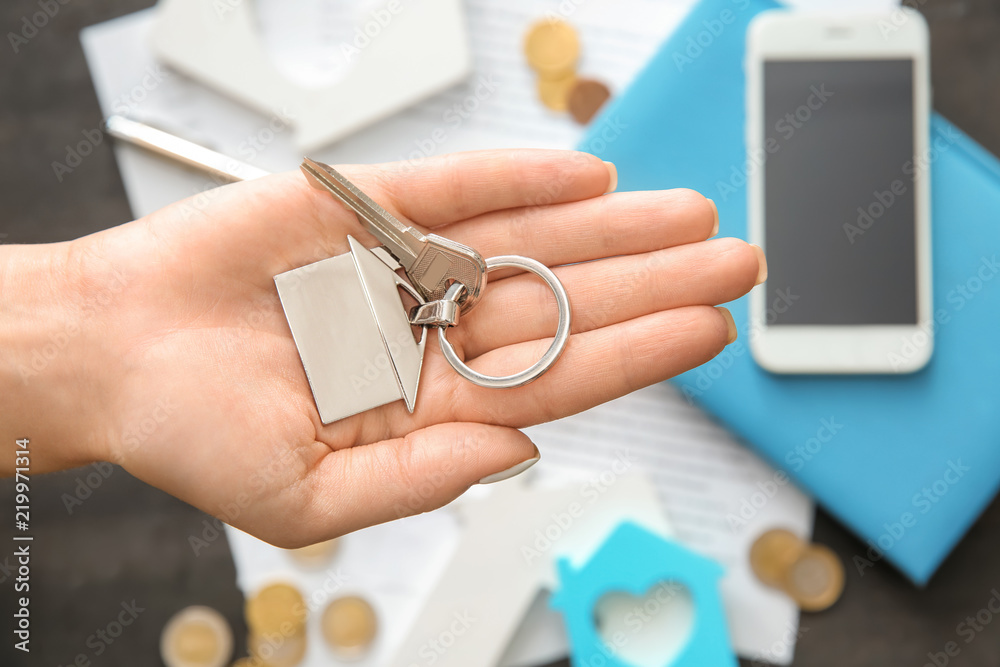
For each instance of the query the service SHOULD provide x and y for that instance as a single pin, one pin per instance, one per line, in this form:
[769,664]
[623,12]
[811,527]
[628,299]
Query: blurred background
[104,539]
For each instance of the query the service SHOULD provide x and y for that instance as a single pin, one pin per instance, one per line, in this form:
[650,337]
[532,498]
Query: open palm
[203,393]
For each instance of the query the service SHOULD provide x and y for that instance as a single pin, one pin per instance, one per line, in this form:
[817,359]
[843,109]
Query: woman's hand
[173,358]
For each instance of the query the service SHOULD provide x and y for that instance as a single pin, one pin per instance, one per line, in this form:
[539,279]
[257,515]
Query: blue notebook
[907,462]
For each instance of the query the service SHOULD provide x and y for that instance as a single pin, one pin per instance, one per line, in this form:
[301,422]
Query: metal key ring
[550,356]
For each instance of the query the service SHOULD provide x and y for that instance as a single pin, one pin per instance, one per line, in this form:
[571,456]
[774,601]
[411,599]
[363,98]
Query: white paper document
[703,477]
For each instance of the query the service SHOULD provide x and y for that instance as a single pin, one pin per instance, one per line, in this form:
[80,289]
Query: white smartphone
[838,191]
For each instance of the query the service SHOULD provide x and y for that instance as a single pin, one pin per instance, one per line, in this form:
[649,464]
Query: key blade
[404,242]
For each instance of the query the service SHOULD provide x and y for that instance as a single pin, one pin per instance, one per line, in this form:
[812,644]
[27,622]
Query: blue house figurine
[632,560]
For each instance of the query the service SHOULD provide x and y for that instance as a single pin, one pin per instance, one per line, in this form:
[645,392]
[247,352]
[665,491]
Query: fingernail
[761,264]
[613,173]
[730,323]
[512,472]
[715,226]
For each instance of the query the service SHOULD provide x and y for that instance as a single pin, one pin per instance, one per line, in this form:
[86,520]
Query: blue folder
[907,462]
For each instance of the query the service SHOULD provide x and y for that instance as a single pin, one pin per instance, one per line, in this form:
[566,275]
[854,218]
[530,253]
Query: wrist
[48,365]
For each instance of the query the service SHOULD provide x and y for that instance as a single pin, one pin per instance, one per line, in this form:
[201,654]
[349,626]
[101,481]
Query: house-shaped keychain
[634,561]
[351,329]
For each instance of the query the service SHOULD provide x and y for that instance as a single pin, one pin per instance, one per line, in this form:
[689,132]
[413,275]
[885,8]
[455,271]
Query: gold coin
[315,555]
[773,553]
[554,93]
[277,608]
[277,650]
[586,98]
[552,47]
[349,626]
[197,643]
[196,637]
[816,579]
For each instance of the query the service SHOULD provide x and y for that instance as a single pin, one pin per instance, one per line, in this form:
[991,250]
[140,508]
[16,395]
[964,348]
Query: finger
[523,308]
[619,224]
[454,187]
[596,366]
[370,484]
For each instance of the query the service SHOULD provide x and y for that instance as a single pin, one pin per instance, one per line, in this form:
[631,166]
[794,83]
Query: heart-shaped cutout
[649,630]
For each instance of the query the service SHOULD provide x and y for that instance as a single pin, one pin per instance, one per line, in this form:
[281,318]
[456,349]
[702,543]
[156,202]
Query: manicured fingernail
[512,472]
[715,210]
[730,323]
[761,264]
[613,173]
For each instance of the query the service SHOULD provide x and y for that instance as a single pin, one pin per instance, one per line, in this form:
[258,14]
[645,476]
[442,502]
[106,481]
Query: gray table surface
[128,542]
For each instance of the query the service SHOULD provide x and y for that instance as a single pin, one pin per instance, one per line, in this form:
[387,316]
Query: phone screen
[839,201]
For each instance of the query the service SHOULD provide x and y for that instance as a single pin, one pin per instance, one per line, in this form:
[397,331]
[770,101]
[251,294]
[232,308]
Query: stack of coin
[276,618]
[196,637]
[553,49]
[811,574]
[350,626]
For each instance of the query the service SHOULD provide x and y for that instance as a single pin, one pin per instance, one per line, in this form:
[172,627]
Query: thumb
[426,469]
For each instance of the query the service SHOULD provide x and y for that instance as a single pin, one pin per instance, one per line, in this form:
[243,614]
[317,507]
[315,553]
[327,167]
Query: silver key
[432,263]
